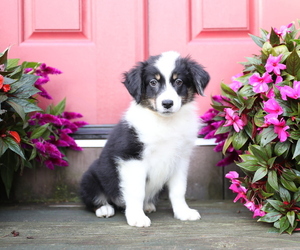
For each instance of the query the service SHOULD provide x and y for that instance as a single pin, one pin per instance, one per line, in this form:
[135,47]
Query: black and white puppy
[151,146]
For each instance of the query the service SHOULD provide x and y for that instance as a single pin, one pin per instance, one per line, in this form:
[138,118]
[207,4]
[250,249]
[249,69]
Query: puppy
[151,146]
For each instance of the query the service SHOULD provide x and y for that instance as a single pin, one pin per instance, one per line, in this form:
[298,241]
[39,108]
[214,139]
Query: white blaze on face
[168,101]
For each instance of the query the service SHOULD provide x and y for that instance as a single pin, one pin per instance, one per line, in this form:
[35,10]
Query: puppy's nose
[167,103]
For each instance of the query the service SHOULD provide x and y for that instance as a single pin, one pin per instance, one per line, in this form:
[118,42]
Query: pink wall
[94,41]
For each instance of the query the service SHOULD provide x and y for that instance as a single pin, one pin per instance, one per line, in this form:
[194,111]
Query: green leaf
[259,118]
[239,139]
[293,63]
[271,162]
[270,217]
[251,166]
[3,98]
[3,57]
[18,108]
[38,132]
[281,147]
[277,205]
[59,108]
[267,135]
[12,63]
[258,40]
[289,185]
[227,90]
[296,196]
[291,217]
[33,154]
[284,194]
[267,48]
[273,180]
[24,88]
[297,150]
[27,104]
[295,135]
[274,39]
[3,147]
[227,143]
[263,154]
[284,224]
[259,174]
[223,130]
[289,174]
[14,146]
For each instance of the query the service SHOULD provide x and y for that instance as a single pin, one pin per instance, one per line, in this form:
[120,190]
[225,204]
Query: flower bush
[30,136]
[256,123]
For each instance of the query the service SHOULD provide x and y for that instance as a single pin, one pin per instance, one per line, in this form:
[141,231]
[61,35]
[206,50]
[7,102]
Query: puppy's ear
[200,76]
[133,82]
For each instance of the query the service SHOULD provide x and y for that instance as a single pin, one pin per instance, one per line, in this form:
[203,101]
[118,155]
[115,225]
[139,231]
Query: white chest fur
[168,142]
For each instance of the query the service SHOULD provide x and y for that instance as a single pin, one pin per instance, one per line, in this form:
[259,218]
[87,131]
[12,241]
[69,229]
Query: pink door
[94,41]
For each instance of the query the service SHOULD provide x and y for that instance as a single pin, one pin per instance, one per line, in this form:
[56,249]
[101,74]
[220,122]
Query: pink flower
[280,129]
[272,107]
[233,119]
[293,93]
[258,211]
[273,64]
[283,30]
[241,192]
[250,205]
[270,93]
[259,83]
[232,175]
[235,85]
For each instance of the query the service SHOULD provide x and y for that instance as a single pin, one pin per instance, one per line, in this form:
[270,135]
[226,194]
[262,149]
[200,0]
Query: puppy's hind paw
[105,211]
[188,214]
[149,208]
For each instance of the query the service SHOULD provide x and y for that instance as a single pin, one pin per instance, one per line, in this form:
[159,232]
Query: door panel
[94,41]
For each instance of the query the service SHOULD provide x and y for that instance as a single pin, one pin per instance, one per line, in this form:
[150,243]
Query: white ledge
[101,143]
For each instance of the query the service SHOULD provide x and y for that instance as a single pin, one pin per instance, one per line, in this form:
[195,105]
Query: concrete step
[224,225]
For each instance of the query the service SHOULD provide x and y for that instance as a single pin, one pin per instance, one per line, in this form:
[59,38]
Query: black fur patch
[101,179]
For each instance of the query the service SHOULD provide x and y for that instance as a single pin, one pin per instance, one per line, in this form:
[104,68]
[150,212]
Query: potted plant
[256,123]
[29,135]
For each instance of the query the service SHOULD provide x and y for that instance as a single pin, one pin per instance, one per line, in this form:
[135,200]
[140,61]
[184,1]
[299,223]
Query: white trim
[101,143]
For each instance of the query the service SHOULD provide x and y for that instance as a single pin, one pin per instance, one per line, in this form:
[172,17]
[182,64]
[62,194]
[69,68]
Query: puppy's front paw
[137,219]
[187,214]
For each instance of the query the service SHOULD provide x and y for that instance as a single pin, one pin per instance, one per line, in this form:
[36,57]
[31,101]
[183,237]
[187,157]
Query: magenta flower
[272,107]
[80,124]
[235,84]
[71,115]
[241,192]
[232,119]
[232,175]
[250,205]
[273,64]
[280,128]
[283,30]
[258,211]
[260,83]
[293,93]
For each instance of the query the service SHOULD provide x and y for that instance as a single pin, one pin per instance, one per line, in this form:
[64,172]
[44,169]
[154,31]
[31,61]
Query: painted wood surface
[94,41]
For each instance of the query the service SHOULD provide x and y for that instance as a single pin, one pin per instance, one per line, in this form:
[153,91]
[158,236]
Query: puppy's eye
[153,83]
[178,82]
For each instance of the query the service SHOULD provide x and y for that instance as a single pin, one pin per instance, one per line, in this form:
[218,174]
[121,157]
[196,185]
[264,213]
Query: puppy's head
[165,82]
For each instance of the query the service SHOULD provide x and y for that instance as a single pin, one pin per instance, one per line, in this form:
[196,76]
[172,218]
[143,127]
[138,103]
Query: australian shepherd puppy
[151,146]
